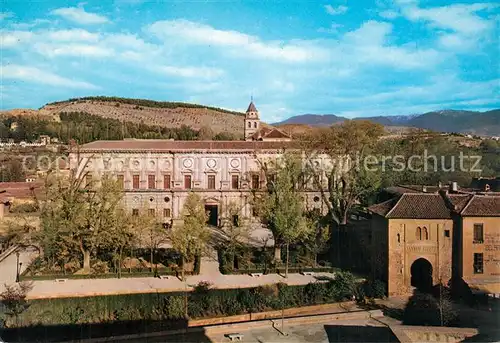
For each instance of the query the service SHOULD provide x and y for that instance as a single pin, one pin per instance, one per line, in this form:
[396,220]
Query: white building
[159,174]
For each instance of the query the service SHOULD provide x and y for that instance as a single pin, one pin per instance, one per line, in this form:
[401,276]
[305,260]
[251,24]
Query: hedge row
[124,274]
[202,303]
[53,320]
[280,270]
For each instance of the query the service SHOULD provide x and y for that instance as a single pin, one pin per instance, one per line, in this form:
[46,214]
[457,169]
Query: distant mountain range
[477,123]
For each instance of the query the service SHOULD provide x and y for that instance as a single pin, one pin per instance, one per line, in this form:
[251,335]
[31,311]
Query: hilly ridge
[174,115]
[477,123]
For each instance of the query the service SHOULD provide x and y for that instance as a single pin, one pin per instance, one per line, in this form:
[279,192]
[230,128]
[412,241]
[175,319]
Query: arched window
[419,233]
[426,234]
[255,125]
[249,124]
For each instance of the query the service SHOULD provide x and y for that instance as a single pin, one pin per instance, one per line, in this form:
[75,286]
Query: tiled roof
[170,145]
[438,206]
[276,134]
[482,206]
[19,190]
[384,207]
[420,206]
[458,201]
[251,107]
[268,132]
[413,206]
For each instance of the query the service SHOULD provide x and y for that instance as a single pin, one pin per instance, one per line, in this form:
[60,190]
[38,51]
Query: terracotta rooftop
[268,132]
[170,145]
[438,206]
[384,207]
[420,206]
[482,206]
[19,190]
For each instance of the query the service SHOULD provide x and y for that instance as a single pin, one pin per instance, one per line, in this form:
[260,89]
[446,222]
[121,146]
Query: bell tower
[252,121]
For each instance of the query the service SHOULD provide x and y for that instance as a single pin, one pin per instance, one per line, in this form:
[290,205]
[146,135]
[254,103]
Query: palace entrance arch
[212,209]
[421,274]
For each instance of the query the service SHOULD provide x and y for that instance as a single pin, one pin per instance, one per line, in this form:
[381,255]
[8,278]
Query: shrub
[14,300]
[424,309]
[100,267]
[343,286]
[374,289]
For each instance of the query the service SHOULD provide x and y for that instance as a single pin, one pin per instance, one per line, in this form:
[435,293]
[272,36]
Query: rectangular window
[135,212]
[478,263]
[255,182]
[151,212]
[151,182]
[187,181]
[121,181]
[447,233]
[166,212]
[166,181]
[211,181]
[478,233]
[235,181]
[135,181]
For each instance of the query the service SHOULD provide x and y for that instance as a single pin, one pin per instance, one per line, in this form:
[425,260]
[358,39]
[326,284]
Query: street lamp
[17,266]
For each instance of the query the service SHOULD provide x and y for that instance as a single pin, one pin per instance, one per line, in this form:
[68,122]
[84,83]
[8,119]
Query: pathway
[8,266]
[209,271]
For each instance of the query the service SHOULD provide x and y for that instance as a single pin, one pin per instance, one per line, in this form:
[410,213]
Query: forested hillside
[154,113]
[84,127]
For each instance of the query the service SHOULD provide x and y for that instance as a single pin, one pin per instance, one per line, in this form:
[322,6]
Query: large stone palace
[157,175]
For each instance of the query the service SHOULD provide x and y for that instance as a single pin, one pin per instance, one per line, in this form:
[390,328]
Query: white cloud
[336,10]
[188,32]
[456,42]
[33,74]
[389,14]
[190,72]
[80,16]
[334,28]
[14,38]
[72,35]
[53,50]
[6,15]
[29,25]
[458,17]
[368,45]
[461,27]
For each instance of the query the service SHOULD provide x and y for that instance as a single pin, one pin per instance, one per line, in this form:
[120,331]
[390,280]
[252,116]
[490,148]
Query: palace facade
[158,175]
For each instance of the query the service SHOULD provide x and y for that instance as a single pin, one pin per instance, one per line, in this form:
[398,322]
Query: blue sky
[351,58]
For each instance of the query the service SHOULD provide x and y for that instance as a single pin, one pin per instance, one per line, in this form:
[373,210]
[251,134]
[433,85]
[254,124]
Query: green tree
[235,229]
[79,218]
[282,207]
[205,133]
[190,239]
[151,233]
[348,182]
